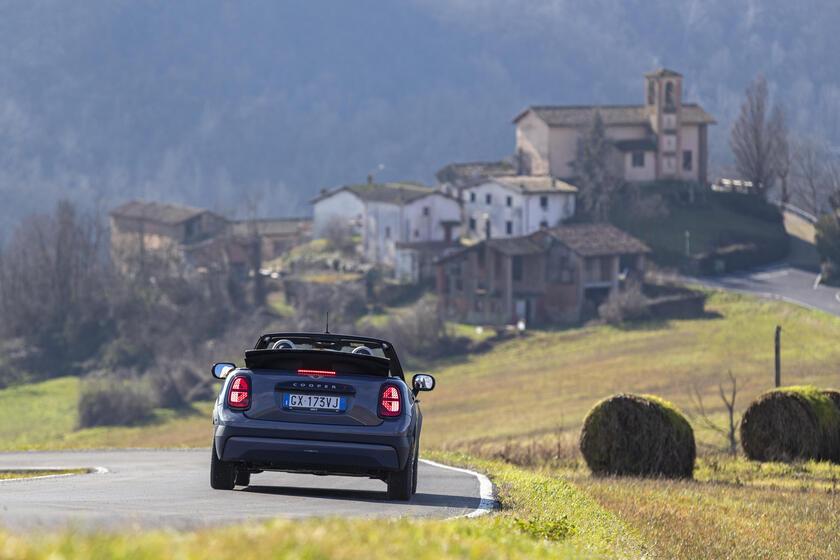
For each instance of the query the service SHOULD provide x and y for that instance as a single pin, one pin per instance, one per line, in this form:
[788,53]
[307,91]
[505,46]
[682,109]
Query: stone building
[664,138]
[551,275]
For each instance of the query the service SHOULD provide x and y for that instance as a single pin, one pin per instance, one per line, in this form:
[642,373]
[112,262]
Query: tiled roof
[581,115]
[663,72]
[592,240]
[276,226]
[586,240]
[515,246]
[536,184]
[160,212]
[395,193]
[457,172]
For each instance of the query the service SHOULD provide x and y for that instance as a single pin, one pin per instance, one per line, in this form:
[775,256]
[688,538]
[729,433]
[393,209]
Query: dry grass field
[544,383]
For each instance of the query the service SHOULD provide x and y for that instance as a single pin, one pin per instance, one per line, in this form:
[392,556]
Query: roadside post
[778,356]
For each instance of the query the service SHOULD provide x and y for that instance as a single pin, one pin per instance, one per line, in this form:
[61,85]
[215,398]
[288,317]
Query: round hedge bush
[638,435]
[792,423]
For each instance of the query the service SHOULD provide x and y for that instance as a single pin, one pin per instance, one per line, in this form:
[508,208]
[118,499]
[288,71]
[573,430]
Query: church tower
[663,103]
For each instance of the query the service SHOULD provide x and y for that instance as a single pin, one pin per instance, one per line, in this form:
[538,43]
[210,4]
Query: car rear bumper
[310,455]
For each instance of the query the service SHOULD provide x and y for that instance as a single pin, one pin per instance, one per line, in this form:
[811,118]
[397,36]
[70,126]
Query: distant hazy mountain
[230,104]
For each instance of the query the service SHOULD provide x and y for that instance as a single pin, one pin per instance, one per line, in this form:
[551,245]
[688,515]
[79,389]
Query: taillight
[239,394]
[327,372]
[389,401]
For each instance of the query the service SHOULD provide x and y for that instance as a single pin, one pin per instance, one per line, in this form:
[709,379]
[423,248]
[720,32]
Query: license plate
[313,402]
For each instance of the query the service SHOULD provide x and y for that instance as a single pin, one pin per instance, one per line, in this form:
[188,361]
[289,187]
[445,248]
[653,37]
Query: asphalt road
[783,282]
[171,489]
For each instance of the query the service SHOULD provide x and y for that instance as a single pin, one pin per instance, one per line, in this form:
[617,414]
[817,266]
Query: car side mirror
[221,369]
[422,382]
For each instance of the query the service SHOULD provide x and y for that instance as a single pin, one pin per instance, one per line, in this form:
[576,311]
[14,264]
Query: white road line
[91,470]
[485,490]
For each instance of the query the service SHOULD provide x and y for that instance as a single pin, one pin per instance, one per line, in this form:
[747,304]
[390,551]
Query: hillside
[262,104]
[537,387]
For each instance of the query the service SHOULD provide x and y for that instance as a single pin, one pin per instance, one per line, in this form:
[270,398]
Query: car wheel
[243,477]
[222,473]
[401,482]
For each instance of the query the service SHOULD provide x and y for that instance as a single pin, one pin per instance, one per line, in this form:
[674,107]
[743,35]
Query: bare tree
[730,431]
[811,175]
[753,138]
[596,167]
[782,153]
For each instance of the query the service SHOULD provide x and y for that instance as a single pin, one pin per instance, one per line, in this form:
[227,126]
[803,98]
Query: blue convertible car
[320,404]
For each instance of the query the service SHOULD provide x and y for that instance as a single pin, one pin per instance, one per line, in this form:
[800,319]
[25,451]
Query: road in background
[171,489]
[783,282]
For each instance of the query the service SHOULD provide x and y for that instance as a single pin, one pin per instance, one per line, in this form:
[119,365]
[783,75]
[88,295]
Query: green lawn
[665,235]
[44,416]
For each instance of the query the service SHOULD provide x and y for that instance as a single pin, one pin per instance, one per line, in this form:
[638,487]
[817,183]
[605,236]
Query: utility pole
[778,355]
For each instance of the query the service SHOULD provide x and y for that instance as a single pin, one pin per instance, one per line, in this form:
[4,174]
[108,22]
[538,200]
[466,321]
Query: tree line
[66,309]
[807,168]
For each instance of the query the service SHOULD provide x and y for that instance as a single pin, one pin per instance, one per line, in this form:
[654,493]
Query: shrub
[629,304]
[638,435]
[106,401]
[750,251]
[420,330]
[828,246]
[792,423]
[749,205]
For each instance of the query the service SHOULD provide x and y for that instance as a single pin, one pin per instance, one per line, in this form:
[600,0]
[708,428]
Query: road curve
[782,282]
[171,489]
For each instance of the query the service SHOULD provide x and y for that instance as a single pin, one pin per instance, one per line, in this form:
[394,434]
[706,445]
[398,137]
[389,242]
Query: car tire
[400,483]
[222,473]
[243,477]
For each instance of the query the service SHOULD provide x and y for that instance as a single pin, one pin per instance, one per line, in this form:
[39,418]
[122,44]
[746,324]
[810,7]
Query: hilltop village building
[664,138]
[145,232]
[389,214]
[508,206]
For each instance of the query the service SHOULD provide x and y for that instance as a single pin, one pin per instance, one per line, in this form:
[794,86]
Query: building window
[638,159]
[472,224]
[416,233]
[543,224]
[517,268]
[544,202]
[670,105]
[687,160]
[488,198]
[651,93]
[425,210]
[487,229]
[472,197]
[508,227]
[387,232]
[509,201]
